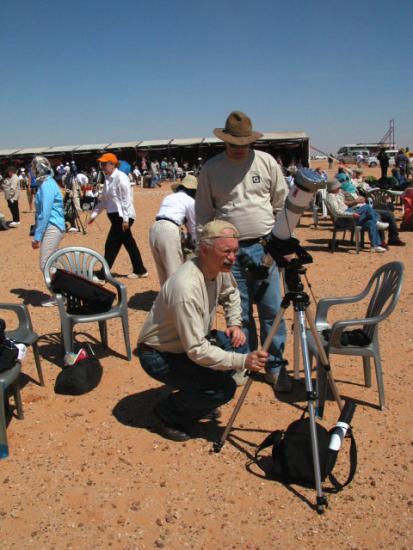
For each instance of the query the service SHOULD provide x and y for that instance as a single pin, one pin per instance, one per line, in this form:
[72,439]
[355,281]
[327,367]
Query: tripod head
[294,268]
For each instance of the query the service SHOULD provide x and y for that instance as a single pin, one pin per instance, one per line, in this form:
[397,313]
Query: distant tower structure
[389,138]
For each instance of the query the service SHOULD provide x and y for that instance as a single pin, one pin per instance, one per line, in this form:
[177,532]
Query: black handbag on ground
[8,350]
[82,295]
[79,378]
[292,457]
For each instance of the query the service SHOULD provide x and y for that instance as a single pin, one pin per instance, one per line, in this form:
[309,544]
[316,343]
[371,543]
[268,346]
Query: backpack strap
[337,486]
[272,439]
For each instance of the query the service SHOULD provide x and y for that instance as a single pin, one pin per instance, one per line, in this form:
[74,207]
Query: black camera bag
[292,457]
[82,295]
[79,378]
[8,350]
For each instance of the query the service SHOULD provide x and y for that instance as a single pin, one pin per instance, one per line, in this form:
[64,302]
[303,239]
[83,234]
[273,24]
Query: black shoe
[397,242]
[212,415]
[169,431]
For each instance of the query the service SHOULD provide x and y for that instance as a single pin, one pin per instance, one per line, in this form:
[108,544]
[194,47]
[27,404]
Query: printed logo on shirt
[256,179]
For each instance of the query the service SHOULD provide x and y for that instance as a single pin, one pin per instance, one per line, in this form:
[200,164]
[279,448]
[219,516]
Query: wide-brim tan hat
[238,130]
[189,182]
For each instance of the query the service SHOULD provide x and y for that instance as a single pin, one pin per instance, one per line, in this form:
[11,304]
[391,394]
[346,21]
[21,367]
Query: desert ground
[91,472]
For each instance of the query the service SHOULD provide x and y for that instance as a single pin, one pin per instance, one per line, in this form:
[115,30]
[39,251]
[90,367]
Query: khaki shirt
[181,317]
[245,193]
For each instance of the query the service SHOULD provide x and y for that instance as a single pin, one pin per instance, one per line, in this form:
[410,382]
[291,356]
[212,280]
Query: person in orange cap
[117,201]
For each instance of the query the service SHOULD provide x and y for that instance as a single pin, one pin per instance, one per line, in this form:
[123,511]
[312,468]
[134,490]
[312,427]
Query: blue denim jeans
[267,295]
[368,219]
[200,389]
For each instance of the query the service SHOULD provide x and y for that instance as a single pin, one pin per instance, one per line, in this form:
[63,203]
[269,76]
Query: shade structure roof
[33,150]
[61,149]
[123,144]
[145,144]
[8,152]
[92,147]
[182,142]
[155,143]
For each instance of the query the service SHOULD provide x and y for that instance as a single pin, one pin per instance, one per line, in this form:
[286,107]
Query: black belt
[144,347]
[249,242]
[163,218]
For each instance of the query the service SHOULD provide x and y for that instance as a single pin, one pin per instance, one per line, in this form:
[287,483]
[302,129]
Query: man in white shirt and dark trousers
[245,187]
[176,345]
[176,209]
[117,201]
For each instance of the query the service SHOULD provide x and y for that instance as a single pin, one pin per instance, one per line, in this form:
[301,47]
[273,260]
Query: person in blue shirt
[50,220]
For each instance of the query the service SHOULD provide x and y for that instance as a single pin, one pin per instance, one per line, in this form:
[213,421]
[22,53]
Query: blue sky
[97,71]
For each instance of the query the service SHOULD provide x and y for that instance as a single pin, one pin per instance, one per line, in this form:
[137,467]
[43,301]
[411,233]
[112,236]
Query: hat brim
[235,140]
[177,184]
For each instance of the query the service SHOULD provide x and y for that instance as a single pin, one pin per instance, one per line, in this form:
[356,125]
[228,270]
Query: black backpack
[292,458]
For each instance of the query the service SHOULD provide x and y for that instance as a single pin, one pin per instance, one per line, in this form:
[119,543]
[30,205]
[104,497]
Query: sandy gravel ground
[90,472]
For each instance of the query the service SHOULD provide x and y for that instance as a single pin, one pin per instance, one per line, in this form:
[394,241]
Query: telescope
[281,242]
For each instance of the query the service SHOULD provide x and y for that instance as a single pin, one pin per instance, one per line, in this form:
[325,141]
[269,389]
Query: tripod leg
[296,337]
[324,359]
[217,446]
[321,499]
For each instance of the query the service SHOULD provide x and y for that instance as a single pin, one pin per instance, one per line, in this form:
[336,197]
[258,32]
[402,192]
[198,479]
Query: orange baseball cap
[109,157]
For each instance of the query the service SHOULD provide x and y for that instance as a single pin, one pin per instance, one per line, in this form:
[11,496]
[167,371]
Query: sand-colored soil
[90,472]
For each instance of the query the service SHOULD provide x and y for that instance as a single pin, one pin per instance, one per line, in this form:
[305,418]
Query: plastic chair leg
[103,333]
[37,361]
[357,239]
[18,400]
[67,333]
[367,372]
[125,326]
[380,383]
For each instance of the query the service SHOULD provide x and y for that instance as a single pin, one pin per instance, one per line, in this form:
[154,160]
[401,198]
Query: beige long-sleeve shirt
[244,193]
[183,313]
[11,188]
[336,202]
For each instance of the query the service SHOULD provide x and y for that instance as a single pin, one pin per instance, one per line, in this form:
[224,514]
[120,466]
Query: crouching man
[176,345]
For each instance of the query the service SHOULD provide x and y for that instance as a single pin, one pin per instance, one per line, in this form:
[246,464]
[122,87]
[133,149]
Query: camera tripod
[300,301]
[72,215]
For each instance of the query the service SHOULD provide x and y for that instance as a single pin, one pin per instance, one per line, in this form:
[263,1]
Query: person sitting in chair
[357,209]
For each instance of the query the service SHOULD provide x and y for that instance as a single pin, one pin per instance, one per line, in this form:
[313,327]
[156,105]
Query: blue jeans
[266,294]
[368,219]
[200,389]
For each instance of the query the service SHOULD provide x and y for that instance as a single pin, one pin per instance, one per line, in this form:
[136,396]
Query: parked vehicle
[351,156]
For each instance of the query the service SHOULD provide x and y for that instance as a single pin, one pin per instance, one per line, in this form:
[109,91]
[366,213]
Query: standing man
[245,187]
[117,201]
[384,162]
[165,237]
[176,345]
[11,188]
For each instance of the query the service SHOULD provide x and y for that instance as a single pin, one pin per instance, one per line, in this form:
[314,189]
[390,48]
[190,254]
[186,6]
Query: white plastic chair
[85,262]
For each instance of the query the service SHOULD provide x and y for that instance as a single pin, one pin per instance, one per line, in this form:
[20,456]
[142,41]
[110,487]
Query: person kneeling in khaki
[177,346]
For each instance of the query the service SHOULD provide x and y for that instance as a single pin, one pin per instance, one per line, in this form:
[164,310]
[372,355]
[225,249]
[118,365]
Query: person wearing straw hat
[176,209]
[117,201]
[176,345]
[245,187]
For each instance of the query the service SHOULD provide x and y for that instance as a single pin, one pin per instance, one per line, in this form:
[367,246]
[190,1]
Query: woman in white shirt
[165,234]
[117,201]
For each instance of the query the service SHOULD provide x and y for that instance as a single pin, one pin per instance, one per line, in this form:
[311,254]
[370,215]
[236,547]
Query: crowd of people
[208,242]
